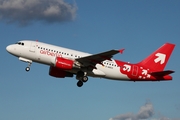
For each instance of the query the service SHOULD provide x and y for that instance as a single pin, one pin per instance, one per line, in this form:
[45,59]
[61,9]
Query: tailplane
[162,73]
[158,59]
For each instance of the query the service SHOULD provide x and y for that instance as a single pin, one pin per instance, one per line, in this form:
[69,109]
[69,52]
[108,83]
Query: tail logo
[160,58]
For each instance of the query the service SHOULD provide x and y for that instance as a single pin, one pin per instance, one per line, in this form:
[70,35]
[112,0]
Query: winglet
[121,50]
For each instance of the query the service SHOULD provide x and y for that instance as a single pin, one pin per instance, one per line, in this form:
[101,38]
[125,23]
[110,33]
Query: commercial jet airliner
[65,62]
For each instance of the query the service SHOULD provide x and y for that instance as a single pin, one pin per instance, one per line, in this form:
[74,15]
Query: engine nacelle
[56,72]
[63,63]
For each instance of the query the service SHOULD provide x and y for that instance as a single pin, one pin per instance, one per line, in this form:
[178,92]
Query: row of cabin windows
[105,63]
[58,52]
[110,64]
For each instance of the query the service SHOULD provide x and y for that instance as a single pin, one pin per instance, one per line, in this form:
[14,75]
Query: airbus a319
[64,62]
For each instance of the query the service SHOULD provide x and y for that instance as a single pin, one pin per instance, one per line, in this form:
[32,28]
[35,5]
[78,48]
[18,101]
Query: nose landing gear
[27,61]
[28,68]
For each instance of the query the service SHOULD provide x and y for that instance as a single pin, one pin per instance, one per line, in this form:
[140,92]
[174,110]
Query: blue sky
[91,26]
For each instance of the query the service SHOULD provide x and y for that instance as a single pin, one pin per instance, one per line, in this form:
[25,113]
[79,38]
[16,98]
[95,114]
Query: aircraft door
[33,47]
[135,70]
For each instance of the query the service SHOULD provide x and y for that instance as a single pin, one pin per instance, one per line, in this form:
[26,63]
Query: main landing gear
[82,78]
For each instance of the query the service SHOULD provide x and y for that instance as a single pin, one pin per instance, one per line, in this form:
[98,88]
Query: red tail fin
[158,59]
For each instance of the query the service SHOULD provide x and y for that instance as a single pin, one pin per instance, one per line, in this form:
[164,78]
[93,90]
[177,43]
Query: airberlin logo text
[50,53]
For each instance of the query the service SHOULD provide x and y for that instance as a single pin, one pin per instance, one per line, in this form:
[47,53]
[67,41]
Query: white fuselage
[44,53]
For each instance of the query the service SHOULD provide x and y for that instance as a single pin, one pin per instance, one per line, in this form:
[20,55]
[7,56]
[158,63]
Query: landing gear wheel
[84,78]
[27,69]
[79,83]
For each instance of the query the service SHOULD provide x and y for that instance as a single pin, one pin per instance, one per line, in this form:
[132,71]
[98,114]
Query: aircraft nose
[9,48]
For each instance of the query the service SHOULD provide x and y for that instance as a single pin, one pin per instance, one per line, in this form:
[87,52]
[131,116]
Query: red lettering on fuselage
[44,52]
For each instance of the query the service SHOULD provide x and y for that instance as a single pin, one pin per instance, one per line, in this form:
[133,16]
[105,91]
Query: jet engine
[56,72]
[63,63]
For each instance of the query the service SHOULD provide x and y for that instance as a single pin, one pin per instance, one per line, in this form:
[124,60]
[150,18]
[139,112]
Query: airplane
[64,62]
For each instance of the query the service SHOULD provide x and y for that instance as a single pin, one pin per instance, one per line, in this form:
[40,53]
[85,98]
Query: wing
[92,60]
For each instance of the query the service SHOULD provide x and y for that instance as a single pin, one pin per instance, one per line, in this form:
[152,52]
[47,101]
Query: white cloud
[26,11]
[52,10]
[145,112]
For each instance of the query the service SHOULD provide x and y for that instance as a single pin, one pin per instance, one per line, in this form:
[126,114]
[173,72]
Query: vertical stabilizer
[158,59]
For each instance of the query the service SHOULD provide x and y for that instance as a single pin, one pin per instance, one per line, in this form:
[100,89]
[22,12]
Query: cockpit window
[20,43]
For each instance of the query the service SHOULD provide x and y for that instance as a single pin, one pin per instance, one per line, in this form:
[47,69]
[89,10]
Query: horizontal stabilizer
[162,73]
